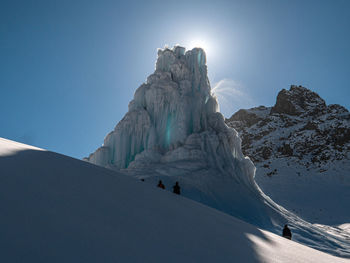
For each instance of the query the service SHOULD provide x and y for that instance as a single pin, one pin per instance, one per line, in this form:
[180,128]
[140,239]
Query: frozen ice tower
[174,117]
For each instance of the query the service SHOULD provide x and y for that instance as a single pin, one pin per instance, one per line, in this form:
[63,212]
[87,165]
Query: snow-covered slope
[58,209]
[301,150]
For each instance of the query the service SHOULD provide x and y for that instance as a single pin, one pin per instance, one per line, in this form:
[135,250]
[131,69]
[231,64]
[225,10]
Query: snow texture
[58,209]
[173,132]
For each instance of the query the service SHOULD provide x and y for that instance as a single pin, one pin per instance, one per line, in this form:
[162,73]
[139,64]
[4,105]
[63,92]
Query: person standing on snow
[160,184]
[176,188]
[286,232]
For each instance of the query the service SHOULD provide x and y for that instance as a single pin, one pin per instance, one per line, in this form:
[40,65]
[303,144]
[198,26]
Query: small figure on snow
[160,184]
[286,232]
[176,188]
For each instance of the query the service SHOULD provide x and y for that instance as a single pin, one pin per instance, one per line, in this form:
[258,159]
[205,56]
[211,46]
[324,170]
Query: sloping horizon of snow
[59,209]
[327,195]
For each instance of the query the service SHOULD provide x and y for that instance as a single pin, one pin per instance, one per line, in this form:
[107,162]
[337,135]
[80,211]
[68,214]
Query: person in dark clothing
[176,188]
[286,232]
[160,184]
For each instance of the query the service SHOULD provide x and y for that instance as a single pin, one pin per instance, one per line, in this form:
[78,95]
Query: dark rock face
[266,152]
[246,117]
[297,100]
[286,150]
[299,127]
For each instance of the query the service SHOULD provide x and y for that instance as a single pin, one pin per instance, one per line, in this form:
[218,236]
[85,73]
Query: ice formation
[174,117]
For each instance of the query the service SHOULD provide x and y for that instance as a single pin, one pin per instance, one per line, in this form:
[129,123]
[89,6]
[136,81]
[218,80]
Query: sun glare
[200,43]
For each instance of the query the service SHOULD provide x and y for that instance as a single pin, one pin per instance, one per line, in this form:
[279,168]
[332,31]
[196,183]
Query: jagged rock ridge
[300,126]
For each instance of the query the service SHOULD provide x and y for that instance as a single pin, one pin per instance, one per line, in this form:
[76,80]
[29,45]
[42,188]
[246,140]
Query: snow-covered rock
[300,147]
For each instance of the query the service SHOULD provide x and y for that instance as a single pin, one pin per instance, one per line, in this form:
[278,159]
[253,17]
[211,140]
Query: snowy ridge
[173,132]
[59,209]
[12,146]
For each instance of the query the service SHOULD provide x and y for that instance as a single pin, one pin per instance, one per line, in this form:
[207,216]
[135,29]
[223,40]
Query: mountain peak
[298,100]
[300,125]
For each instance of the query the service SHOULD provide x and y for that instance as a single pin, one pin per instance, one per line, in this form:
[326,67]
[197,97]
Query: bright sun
[200,43]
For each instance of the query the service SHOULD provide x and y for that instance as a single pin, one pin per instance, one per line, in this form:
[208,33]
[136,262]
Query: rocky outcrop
[299,127]
[246,117]
[298,100]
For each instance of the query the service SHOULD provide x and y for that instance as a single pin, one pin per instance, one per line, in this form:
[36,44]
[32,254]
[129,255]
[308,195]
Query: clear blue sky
[68,69]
